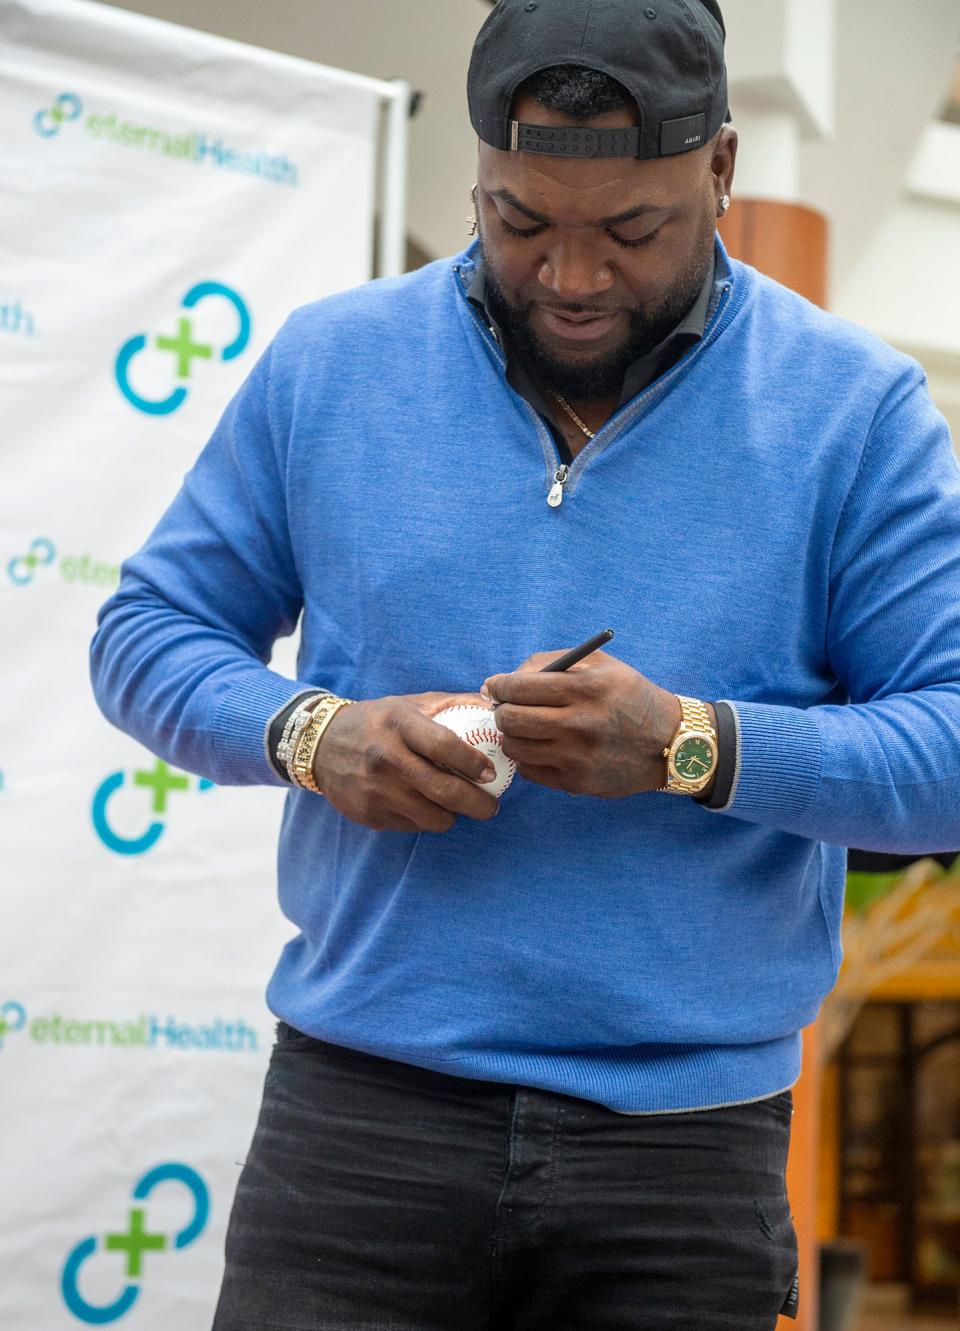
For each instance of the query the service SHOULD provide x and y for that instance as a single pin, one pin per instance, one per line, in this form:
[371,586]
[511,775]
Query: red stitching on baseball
[475,736]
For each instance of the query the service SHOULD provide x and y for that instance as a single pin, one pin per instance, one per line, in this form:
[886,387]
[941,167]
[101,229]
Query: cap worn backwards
[668,55]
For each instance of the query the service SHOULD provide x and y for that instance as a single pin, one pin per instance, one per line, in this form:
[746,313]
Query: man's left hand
[599,728]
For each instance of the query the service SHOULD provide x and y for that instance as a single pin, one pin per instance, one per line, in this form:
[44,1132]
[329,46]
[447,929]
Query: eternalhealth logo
[133,1240]
[183,347]
[41,555]
[48,121]
[195,147]
[161,781]
[147,1030]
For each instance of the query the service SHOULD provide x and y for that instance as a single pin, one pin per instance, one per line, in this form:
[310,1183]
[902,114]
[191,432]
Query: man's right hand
[380,763]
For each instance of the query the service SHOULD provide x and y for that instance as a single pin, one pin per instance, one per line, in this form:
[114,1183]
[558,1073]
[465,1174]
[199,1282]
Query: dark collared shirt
[642,372]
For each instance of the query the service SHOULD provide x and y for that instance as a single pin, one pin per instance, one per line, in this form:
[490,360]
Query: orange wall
[789,243]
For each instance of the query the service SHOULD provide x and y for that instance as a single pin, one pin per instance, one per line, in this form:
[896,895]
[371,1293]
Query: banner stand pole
[392,247]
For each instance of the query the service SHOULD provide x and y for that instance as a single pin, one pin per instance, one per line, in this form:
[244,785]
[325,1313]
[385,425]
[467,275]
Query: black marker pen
[578,653]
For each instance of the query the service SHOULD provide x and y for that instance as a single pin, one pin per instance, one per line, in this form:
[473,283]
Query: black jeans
[380,1195]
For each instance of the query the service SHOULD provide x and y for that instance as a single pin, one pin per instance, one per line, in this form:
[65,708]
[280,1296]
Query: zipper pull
[555,497]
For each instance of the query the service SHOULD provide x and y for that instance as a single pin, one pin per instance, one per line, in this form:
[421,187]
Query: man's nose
[573,271]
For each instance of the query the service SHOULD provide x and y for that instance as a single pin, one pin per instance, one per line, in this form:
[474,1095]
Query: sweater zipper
[563,473]
[555,497]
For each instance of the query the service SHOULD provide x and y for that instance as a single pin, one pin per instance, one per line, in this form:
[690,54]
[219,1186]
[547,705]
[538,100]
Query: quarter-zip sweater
[774,522]
[642,372]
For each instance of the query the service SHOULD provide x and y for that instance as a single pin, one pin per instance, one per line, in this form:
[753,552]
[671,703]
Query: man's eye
[527,232]
[634,244]
[519,231]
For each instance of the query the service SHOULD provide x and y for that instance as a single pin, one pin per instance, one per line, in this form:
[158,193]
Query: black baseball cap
[668,55]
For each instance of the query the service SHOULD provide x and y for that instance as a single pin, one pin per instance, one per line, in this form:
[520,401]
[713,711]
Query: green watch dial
[694,759]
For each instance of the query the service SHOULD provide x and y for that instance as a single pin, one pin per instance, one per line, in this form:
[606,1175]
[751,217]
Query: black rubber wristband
[727,763]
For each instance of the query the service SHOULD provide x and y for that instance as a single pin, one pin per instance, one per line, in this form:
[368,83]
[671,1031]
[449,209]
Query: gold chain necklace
[572,414]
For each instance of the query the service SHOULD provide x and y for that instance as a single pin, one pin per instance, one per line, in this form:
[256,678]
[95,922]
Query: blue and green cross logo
[134,1241]
[22,569]
[48,121]
[184,347]
[161,781]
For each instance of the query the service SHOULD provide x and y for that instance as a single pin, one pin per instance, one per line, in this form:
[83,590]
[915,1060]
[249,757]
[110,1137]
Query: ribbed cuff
[778,763]
[241,724]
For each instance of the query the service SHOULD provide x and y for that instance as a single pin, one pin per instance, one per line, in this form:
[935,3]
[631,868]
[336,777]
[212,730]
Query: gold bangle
[301,768]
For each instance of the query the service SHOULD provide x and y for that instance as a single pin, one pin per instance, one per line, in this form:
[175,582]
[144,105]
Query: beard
[600,376]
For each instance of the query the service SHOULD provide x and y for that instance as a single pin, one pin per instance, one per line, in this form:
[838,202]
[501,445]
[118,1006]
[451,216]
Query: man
[533,1070]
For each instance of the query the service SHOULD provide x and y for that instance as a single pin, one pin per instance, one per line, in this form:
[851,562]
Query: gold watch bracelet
[694,719]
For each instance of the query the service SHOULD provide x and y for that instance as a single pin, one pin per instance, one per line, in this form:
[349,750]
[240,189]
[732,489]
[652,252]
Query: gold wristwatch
[692,753]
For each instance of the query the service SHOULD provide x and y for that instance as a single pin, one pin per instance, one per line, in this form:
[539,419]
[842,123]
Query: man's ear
[724,157]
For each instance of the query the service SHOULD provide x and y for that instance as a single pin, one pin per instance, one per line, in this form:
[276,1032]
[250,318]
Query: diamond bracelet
[296,721]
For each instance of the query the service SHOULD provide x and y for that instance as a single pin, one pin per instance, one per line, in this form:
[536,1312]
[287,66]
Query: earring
[724,202]
[472,223]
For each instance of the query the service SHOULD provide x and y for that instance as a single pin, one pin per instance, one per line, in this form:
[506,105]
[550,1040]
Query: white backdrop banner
[166,199]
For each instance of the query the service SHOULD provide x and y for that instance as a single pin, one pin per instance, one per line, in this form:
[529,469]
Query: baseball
[478,726]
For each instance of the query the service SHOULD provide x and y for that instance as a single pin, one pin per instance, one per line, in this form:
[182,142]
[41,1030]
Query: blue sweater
[774,522]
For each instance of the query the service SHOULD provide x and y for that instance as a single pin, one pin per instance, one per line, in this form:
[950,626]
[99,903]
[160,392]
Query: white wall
[893,65]
[895,257]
